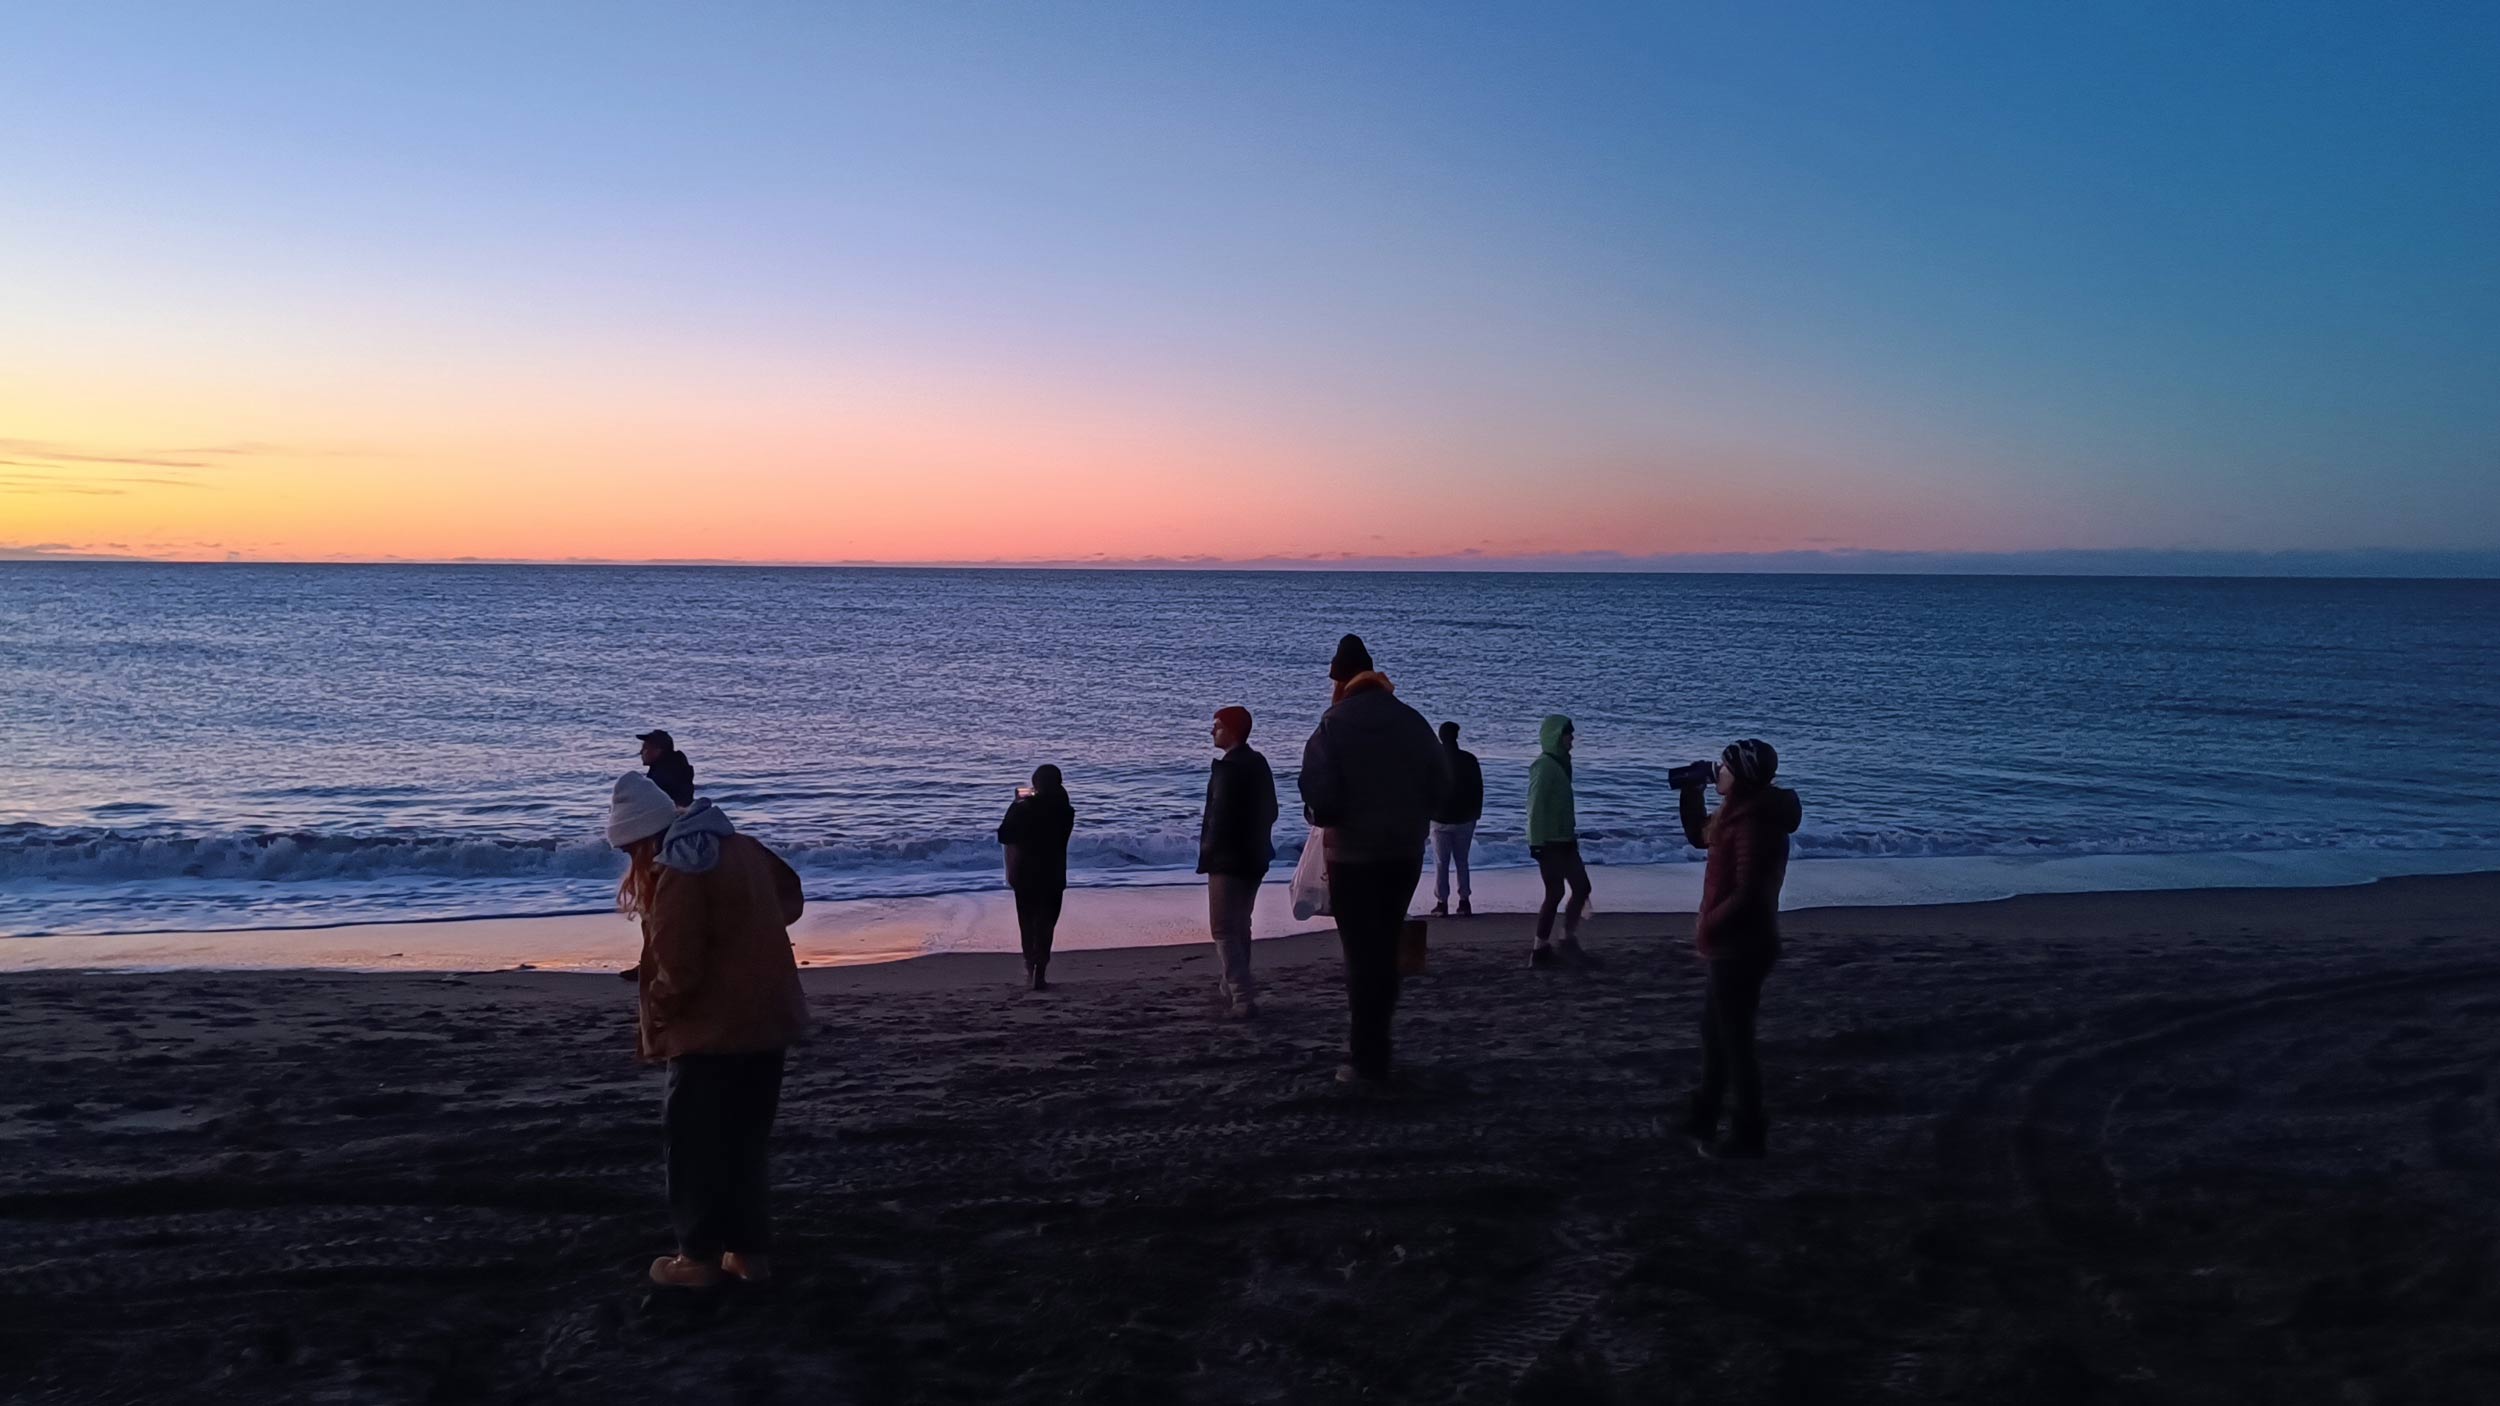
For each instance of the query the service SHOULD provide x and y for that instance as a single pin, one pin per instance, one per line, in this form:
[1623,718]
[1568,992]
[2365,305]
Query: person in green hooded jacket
[1554,842]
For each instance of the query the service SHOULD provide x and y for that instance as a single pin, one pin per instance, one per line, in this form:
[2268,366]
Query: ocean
[193,747]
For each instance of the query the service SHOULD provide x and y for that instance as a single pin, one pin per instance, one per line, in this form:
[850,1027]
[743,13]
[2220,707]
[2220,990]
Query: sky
[1263,282]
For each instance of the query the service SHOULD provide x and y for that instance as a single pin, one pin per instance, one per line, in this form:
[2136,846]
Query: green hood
[1549,736]
[1552,816]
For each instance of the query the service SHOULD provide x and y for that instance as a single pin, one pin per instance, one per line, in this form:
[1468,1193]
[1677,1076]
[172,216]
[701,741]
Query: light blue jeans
[1451,842]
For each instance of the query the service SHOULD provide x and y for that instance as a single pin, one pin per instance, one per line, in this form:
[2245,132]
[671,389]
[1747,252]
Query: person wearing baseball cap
[1235,845]
[667,767]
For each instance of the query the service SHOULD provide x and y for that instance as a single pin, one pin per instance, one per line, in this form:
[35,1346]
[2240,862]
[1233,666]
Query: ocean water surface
[200,747]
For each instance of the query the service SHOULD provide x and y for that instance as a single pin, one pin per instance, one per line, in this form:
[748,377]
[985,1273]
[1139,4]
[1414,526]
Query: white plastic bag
[1310,878]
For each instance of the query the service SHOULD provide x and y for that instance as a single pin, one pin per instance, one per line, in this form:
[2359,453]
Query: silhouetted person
[1372,776]
[1737,931]
[1454,825]
[720,1002]
[1236,844]
[1554,842]
[668,768]
[1035,833]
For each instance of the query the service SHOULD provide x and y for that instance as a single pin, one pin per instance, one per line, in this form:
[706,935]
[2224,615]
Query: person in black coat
[1035,833]
[667,767]
[1454,825]
[1236,844]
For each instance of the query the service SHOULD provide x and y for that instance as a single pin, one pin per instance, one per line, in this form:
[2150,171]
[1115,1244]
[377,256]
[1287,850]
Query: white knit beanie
[638,810]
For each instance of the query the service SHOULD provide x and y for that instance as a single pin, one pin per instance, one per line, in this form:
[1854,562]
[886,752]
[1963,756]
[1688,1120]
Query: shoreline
[876,932]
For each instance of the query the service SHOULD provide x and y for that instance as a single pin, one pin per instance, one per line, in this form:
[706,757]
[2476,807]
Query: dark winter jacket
[1236,833]
[1466,798]
[1373,776]
[1740,885]
[675,775]
[1035,833]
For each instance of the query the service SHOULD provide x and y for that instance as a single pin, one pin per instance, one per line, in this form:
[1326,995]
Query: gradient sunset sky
[1007,282]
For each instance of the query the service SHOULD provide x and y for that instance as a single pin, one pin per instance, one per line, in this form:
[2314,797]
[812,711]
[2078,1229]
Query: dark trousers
[719,1115]
[1369,901]
[1558,864]
[1728,1063]
[1037,921]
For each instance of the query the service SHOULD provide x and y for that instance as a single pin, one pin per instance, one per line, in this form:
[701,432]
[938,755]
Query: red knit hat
[1235,717]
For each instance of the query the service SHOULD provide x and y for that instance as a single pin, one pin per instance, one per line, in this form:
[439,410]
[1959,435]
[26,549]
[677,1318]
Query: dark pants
[1037,920]
[1369,901]
[1559,863]
[1734,986]
[719,1115]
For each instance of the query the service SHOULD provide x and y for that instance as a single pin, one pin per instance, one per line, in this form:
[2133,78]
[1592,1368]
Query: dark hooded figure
[1035,834]
[667,767]
[1738,934]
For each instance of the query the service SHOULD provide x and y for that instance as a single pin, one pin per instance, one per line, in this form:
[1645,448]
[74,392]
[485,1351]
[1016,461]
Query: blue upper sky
[2000,277]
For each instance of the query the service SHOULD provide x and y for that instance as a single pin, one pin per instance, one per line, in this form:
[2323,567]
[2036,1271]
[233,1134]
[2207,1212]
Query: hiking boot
[754,1269]
[1542,958]
[1242,1010]
[1741,1143]
[679,1272]
[1360,1082]
[1577,955]
[1466,909]
[1036,978]
[1441,909]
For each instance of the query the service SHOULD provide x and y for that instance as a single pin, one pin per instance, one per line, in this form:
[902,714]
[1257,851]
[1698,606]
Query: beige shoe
[679,1272]
[754,1269]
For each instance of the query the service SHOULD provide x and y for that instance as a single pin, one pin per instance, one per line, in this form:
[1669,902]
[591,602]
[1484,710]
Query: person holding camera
[1737,931]
[1554,843]
[1034,835]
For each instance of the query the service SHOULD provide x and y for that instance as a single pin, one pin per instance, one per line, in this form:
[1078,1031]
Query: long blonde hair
[642,874]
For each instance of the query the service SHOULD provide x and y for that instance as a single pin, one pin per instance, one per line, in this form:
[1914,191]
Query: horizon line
[2290,563]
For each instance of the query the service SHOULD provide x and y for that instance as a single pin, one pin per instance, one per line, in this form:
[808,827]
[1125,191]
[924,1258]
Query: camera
[1692,774]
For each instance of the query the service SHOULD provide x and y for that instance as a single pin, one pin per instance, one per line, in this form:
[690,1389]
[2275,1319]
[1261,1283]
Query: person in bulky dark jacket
[1738,934]
[1373,774]
[667,767]
[1236,844]
[1454,825]
[720,1003]
[1035,833]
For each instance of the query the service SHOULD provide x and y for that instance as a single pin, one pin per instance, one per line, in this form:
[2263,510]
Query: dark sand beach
[2201,1147]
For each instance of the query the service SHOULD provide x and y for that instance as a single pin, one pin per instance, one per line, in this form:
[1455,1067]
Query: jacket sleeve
[1010,827]
[1695,815]
[1323,792]
[1223,806]
[673,929]
[1440,775]
[786,889]
[1265,799]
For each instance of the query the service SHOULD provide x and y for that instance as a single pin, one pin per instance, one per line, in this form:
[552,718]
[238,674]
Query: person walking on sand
[1554,842]
[667,767]
[720,1004]
[1372,776]
[1454,825]
[1035,833]
[1738,934]
[1236,844]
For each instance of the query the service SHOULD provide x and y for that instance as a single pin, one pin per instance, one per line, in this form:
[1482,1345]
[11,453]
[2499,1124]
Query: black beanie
[1352,658]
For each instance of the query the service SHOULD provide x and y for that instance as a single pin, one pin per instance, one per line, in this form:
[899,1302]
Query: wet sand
[2220,1145]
